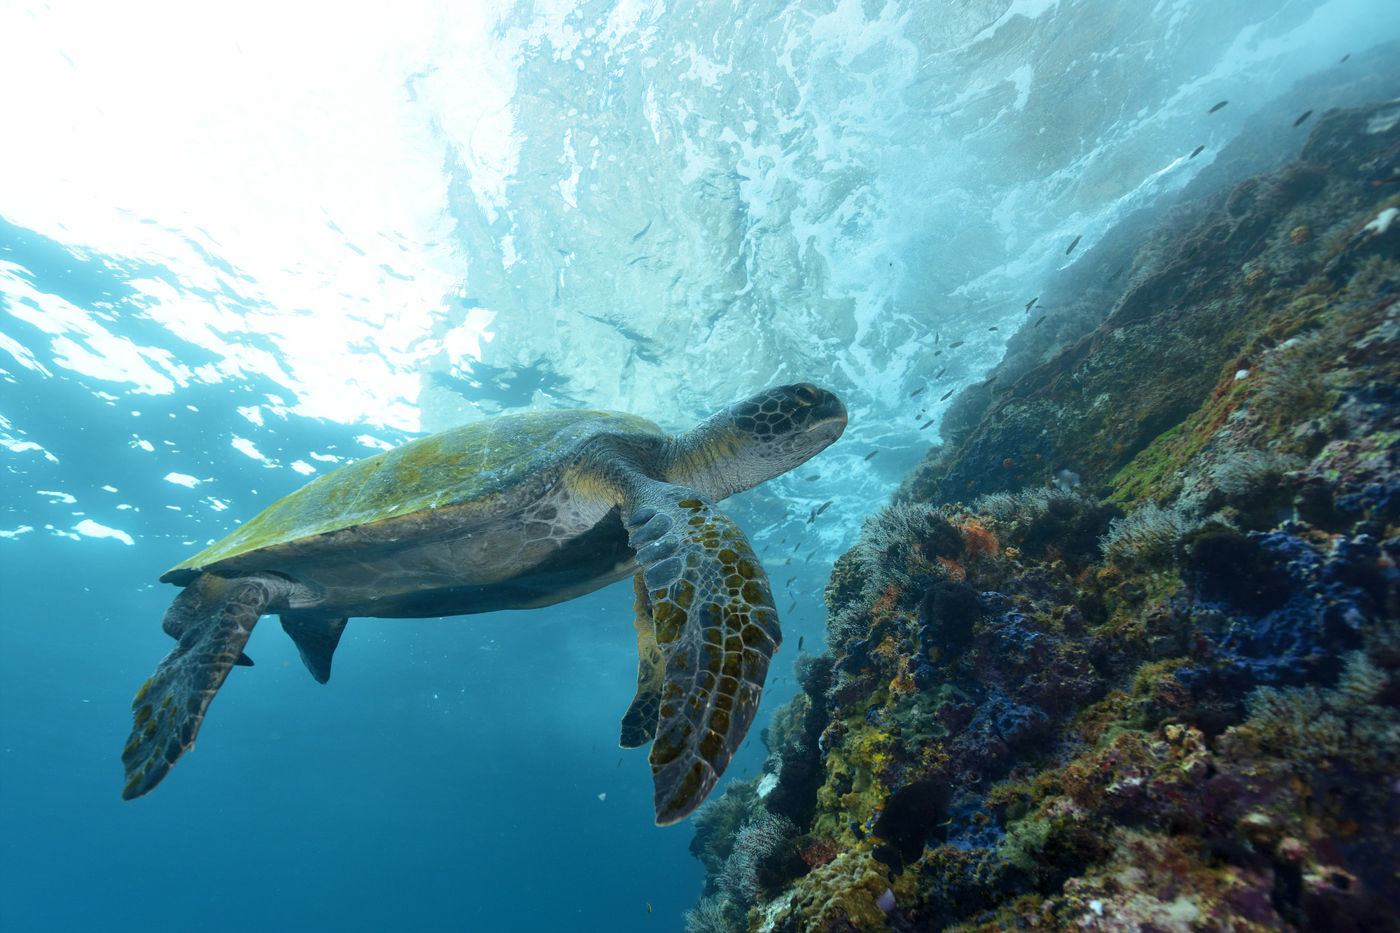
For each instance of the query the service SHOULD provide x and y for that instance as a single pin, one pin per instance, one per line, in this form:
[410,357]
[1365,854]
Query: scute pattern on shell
[479,463]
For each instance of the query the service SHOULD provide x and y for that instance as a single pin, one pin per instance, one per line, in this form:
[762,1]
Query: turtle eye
[806,393]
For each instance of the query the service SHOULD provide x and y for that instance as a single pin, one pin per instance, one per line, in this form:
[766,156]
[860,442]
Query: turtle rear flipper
[211,620]
[316,638]
[714,622]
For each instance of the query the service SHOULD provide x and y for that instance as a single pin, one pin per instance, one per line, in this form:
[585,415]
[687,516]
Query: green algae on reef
[1168,698]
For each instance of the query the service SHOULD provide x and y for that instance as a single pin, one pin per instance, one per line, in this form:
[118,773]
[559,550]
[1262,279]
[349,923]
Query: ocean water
[239,249]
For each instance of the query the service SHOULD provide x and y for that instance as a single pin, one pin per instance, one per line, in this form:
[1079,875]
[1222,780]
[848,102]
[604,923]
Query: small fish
[813,478]
[937,352]
[799,642]
[824,506]
[871,455]
[1217,106]
[789,582]
[811,517]
[1344,58]
[1074,244]
[927,423]
[955,344]
[992,328]
[1198,150]
[1299,121]
[1039,321]
[936,335]
[917,391]
[1031,304]
[941,372]
[635,239]
[649,902]
[619,762]
[792,607]
[947,395]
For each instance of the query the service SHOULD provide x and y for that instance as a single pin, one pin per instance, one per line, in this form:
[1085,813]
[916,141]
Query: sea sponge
[843,894]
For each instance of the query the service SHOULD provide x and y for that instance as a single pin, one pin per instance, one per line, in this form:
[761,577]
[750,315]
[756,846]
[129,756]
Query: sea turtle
[513,513]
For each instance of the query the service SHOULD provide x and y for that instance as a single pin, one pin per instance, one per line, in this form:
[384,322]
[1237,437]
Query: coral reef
[1147,676]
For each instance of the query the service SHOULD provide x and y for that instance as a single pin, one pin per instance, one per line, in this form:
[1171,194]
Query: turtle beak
[828,419]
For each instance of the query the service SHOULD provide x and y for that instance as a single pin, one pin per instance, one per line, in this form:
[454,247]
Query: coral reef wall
[1124,654]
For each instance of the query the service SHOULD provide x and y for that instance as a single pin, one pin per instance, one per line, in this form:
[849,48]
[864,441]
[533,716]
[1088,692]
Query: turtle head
[758,438]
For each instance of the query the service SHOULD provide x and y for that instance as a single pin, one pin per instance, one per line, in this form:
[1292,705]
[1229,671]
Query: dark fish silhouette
[947,395]
[955,344]
[1198,150]
[927,423]
[1299,121]
[1039,321]
[1074,244]
[871,454]
[793,606]
[1031,304]
[1344,58]
[824,506]
[991,328]
[917,391]
[941,372]
[1218,106]
[799,642]
[789,582]
[814,477]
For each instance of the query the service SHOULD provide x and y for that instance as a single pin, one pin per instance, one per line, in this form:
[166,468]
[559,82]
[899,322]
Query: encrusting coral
[1149,679]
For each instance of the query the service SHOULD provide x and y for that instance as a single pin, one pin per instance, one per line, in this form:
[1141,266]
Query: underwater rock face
[1167,698]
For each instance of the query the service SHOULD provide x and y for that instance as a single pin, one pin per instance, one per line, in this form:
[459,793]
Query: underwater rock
[1168,696]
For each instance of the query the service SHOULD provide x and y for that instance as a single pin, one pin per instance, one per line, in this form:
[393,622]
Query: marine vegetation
[1124,654]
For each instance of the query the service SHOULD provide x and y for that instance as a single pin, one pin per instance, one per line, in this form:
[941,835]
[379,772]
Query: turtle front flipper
[714,622]
[639,722]
[211,620]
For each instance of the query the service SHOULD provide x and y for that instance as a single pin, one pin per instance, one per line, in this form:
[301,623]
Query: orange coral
[903,684]
[978,539]
[887,602]
[820,852]
[953,569]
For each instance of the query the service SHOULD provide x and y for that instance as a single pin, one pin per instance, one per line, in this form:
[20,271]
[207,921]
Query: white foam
[246,447]
[91,529]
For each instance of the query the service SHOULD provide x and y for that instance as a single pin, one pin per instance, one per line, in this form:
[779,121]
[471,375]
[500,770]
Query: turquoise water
[236,254]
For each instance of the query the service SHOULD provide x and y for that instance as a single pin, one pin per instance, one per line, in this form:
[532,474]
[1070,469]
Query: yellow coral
[843,890]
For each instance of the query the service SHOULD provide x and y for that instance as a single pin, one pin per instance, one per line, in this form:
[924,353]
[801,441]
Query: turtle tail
[211,620]
[714,622]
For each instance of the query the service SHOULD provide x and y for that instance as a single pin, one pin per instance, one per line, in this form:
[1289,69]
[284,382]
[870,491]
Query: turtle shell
[479,470]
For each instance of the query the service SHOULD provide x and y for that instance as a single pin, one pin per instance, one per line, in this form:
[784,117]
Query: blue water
[229,265]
